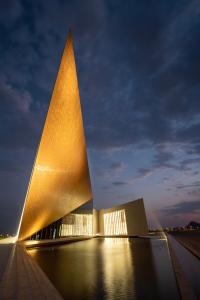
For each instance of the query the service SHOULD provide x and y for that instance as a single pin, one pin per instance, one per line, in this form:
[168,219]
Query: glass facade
[115,223]
[125,220]
[77,223]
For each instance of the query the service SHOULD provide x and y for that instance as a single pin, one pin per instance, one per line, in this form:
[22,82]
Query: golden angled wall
[60,179]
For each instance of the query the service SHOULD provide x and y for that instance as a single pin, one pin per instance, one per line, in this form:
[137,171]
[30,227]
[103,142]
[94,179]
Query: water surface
[110,268]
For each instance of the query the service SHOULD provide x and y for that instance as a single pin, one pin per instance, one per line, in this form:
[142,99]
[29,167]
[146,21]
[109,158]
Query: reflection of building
[59,198]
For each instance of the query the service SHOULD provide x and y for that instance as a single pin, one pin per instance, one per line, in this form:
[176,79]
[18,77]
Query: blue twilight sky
[138,66]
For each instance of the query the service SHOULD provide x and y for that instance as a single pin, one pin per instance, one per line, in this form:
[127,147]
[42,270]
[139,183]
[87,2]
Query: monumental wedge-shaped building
[59,197]
[60,181]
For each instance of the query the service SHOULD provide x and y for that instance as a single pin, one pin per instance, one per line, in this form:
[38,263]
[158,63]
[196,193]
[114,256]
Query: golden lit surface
[118,266]
[116,241]
[60,177]
[8,240]
[77,224]
[115,223]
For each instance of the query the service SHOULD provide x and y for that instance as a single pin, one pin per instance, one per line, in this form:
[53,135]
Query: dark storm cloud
[19,125]
[22,132]
[183,208]
[138,72]
[109,171]
[117,166]
[118,183]
[142,172]
[159,89]
[162,157]
[13,100]
[187,162]
[190,134]
[10,11]
[194,192]
[194,184]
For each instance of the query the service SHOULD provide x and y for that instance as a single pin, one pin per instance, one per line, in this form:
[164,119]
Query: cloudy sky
[138,66]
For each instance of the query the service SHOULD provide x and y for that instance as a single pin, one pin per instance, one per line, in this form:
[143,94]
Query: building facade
[128,219]
[59,201]
[125,219]
[60,180]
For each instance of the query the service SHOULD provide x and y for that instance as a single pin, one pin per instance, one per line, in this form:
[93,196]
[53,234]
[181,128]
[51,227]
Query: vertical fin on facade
[60,180]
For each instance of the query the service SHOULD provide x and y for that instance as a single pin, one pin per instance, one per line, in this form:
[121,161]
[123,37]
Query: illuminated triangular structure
[60,180]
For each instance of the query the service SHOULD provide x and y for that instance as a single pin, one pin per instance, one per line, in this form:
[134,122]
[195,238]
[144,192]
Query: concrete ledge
[185,289]
[188,246]
[54,242]
[23,279]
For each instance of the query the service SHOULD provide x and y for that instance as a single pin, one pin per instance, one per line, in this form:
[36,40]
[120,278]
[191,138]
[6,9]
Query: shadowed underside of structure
[60,180]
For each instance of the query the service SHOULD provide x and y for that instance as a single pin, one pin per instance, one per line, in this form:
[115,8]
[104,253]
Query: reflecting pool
[110,268]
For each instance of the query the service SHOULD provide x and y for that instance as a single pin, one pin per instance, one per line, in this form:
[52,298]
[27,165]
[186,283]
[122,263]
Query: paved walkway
[185,287]
[23,279]
[20,276]
[5,251]
[193,245]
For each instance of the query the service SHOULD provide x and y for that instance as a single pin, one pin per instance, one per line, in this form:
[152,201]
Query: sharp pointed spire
[60,180]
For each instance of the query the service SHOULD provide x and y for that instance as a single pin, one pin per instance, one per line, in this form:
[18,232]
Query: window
[115,223]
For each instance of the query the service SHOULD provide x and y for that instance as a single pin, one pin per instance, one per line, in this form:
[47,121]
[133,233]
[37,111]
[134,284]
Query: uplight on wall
[115,223]
[77,224]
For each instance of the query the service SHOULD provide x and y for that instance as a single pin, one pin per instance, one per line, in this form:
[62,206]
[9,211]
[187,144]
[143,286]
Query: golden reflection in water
[115,223]
[116,241]
[33,252]
[60,179]
[117,267]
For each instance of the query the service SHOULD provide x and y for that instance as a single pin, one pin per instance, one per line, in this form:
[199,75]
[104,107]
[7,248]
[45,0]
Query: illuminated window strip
[115,223]
[82,225]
